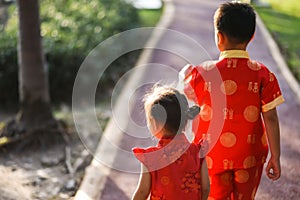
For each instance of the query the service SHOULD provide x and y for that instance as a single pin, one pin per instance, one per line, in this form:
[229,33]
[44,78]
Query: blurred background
[69,30]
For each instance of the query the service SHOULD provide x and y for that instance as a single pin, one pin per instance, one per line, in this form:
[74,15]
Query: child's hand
[273,169]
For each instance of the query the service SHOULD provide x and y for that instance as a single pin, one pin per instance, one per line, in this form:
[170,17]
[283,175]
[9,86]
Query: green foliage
[82,24]
[149,17]
[283,21]
[70,30]
[291,7]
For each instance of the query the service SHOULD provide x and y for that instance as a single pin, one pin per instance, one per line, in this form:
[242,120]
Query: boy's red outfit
[174,165]
[232,92]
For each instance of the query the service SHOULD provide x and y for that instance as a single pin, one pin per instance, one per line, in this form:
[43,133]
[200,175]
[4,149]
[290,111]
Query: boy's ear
[252,37]
[221,38]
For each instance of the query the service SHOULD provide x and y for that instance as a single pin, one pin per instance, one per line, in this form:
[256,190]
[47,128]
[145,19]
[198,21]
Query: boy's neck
[234,47]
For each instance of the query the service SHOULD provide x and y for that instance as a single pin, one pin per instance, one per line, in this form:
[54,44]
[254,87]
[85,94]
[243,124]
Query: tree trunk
[35,111]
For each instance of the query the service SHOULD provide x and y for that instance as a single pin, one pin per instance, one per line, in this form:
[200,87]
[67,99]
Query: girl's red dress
[174,165]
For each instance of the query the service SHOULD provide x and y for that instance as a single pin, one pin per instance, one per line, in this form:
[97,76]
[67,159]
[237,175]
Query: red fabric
[174,165]
[232,93]
[237,183]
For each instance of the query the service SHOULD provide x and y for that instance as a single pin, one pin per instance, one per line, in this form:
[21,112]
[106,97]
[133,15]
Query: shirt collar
[234,54]
[179,138]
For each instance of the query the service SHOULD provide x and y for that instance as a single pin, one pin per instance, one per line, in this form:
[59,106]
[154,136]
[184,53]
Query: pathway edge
[96,173]
[278,58]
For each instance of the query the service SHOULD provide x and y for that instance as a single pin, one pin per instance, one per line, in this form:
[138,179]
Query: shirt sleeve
[187,81]
[150,157]
[143,155]
[271,95]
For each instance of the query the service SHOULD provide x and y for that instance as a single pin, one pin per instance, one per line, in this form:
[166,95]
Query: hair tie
[192,112]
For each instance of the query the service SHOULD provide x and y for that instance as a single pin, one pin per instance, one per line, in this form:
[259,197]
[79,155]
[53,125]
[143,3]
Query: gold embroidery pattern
[241,176]
[240,196]
[253,65]
[228,139]
[207,86]
[251,139]
[191,182]
[228,164]
[226,178]
[271,77]
[228,87]
[156,197]
[253,86]
[211,198]
[165,180]
[209,162]
[249,162]
[172,153]
[231,63]
[206,113]
[251,113]
[264,139]
[228,113]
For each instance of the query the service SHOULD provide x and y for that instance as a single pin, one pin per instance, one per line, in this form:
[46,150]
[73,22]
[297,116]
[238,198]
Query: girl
[174,168]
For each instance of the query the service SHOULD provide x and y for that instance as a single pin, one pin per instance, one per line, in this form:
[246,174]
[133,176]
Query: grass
[149,18]
[283,21]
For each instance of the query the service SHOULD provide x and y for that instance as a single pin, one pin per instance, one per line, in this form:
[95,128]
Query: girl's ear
[153,124]
[156,128]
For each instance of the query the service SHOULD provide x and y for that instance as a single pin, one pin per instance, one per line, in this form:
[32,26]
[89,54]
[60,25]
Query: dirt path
[194,19]
[44,170]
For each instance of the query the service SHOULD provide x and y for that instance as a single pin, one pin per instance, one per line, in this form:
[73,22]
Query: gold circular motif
[264,140]
[255,66]
[228,139]
[272,78]
[249,162]
[209,162]
[206,113]
[165,180]
[251,113]
[241,176]
[226,178]
[229,87]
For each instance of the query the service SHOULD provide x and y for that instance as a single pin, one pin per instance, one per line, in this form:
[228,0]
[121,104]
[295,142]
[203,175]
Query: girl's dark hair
[167,105]
[236,20]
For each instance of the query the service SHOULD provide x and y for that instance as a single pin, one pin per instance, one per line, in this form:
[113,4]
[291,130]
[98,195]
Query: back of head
[236,20]
[167,105]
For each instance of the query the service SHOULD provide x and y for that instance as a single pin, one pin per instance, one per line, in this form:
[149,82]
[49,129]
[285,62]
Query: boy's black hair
[236,20]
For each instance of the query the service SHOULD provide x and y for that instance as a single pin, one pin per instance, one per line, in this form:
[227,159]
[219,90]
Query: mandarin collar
[234,54]
[177,138]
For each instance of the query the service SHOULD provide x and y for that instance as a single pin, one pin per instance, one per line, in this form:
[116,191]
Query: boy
[237,152]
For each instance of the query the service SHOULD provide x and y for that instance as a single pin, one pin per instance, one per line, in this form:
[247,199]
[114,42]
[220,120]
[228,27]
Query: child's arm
[143,189]
[273,133]
[205,184]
